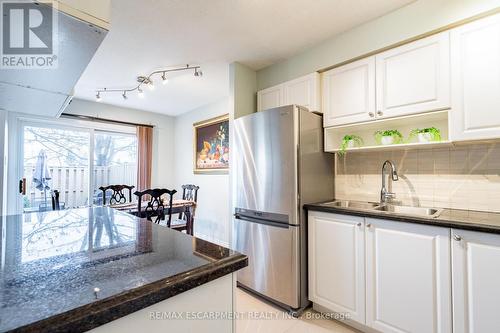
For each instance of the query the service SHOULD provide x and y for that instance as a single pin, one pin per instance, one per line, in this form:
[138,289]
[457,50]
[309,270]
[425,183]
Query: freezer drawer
[273,258]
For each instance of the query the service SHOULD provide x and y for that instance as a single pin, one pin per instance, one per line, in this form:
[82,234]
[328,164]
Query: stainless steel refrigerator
[278,166]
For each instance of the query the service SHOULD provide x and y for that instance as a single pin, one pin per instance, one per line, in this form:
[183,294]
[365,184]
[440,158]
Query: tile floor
[258,316]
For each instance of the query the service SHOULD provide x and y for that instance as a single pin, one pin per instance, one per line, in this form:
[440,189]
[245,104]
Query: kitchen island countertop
[77,269]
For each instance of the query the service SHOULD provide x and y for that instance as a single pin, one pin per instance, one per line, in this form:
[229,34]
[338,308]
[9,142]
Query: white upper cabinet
[270,98]
[349,93]
[303,91]
[476,291]
[475,58]
[408,280]
[414,78]
[337,263]
[409,79]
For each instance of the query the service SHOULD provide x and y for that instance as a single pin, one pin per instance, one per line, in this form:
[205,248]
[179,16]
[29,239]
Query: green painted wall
[243,89]
[412,20]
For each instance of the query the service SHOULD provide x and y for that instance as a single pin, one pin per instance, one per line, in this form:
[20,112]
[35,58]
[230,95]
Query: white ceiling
[151,34]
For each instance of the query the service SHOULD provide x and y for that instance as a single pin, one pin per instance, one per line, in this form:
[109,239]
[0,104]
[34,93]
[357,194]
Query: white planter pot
[387,140]
[351,144]
[424,137]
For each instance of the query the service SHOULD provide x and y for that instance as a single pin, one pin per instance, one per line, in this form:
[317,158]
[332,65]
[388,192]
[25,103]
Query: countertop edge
[438,222]
[93,315]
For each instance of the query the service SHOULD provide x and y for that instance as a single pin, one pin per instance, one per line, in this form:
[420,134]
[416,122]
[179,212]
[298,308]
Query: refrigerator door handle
[259,221]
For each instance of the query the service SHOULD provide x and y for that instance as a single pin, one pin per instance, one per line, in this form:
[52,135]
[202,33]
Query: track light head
[198,72]
[164,79]
[98,96]
[124,95]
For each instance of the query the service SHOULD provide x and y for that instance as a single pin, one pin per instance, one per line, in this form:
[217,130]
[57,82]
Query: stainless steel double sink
[388,208]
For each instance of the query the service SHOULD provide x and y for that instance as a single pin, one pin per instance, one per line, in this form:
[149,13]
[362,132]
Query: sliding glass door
[73,161]
[55,158]
[115,162]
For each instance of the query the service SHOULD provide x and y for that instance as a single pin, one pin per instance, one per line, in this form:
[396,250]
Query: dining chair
[182,224]
[189,192]
[117,196]
[156,206]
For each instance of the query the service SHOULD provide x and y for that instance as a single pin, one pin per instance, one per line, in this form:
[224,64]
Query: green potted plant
[426,134]
[350,141]
[388,137]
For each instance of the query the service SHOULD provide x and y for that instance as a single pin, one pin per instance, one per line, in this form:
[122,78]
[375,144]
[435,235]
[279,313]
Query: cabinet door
[414,78]
[476,288]
[408,283]
[270,98]
[475,54]
[336,263]
[303,91]
[349,93]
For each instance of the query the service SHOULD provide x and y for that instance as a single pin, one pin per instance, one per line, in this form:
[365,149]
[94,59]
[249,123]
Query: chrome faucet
[385,195]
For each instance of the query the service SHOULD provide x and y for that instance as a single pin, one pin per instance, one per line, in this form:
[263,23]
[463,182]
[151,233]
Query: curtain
[144,156]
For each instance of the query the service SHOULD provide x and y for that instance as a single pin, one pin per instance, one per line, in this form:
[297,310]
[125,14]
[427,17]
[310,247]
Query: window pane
[115,162]
[60,158]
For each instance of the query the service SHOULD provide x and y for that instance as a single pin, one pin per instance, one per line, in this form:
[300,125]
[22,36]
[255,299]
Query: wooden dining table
[186,207]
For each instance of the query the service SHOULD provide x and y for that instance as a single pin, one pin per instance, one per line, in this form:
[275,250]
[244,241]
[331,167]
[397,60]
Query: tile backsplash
[465,176]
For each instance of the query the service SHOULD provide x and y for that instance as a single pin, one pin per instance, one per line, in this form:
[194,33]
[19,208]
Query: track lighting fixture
[147,80]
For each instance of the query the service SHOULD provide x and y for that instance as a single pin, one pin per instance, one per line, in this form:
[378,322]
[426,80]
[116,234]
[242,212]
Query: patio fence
[72,183]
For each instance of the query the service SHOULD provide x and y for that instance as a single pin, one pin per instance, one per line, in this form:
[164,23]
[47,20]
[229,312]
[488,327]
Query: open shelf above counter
[399,146]
[438,119]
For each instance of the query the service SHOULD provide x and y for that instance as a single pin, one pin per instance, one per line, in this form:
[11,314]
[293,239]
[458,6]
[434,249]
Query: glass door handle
[22,186]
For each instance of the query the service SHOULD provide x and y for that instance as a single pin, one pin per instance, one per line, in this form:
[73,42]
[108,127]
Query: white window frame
[15,167]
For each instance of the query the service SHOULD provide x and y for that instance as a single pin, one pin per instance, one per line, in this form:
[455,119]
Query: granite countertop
[52,263]
[450,218]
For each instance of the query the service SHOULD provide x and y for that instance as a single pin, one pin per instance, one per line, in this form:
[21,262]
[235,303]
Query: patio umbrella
[41,176]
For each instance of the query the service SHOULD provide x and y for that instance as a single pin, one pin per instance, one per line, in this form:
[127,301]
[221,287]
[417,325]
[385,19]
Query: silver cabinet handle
[380,113]
[371,114]
[458,238]
[359,224]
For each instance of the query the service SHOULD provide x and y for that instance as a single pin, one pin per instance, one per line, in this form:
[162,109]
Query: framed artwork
[211,145]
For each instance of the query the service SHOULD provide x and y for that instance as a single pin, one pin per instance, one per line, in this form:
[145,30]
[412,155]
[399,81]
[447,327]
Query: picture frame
[211,146]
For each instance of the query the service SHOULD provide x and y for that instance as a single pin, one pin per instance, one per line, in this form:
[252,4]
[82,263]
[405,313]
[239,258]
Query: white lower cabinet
[408,283]
[389,276]
[476,284]
[337,263]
